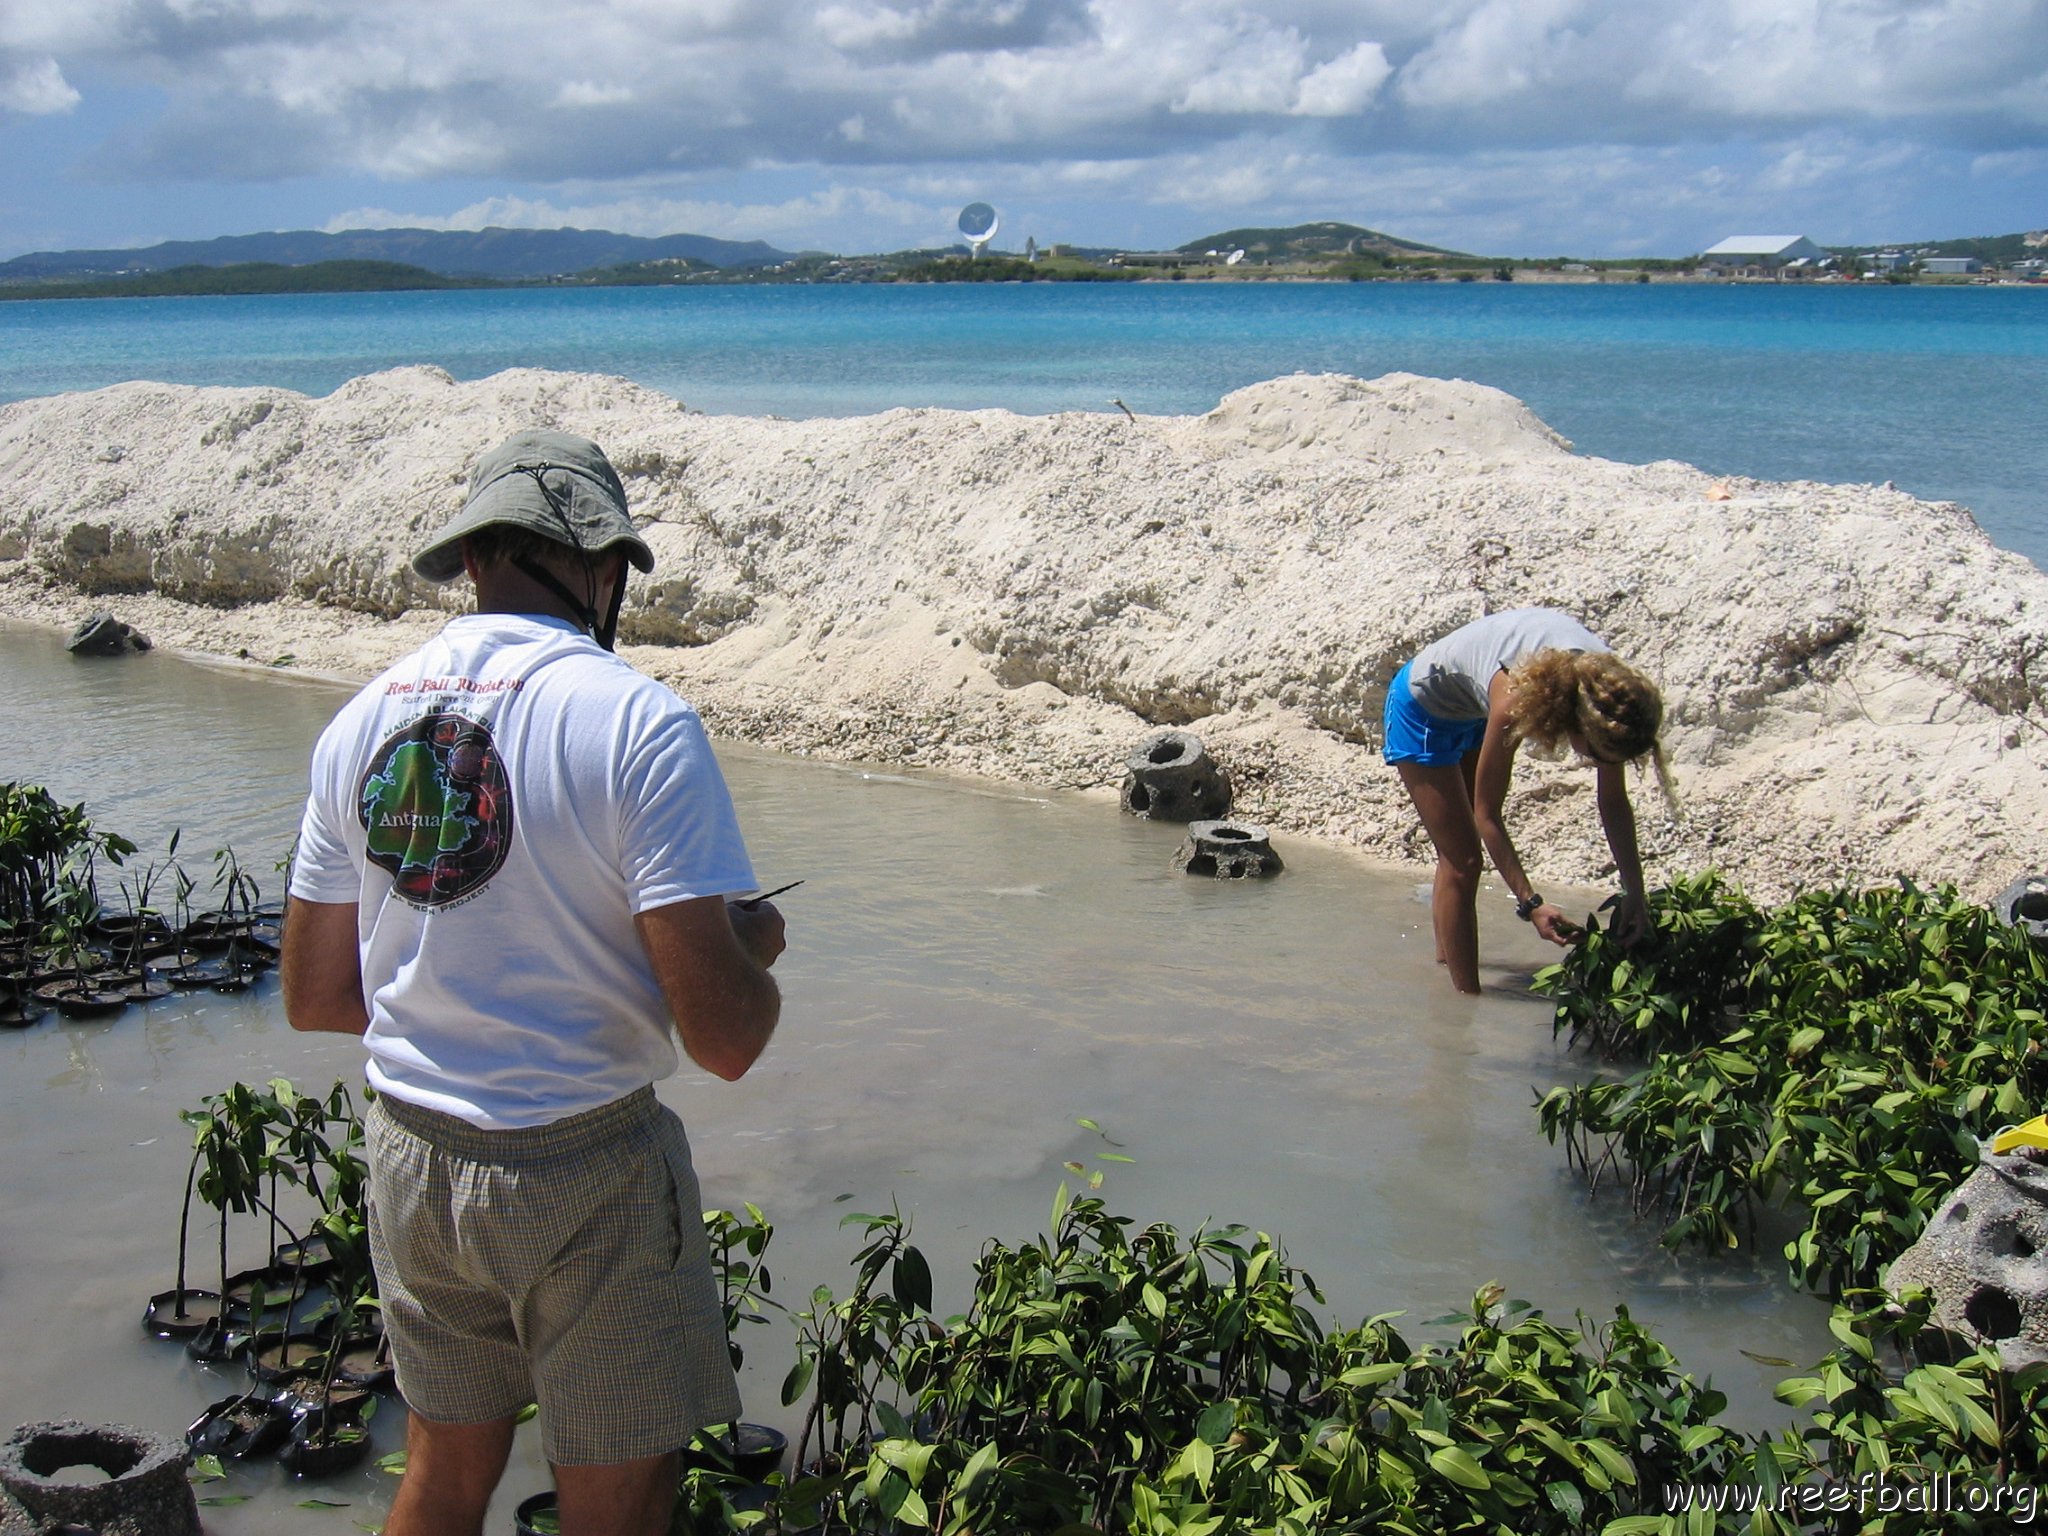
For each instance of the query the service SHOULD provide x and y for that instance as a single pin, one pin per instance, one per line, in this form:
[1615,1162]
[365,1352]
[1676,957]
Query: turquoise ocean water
[1936,389]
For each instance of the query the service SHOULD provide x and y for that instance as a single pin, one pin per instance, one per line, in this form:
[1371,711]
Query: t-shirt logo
[437,809]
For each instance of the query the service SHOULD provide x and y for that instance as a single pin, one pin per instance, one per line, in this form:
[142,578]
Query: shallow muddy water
[973,968]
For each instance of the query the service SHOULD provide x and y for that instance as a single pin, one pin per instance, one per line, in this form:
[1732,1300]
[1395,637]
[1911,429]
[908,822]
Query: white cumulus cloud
[1771,112]
[1345,85]
[786,221]
[589,93]
[37,89]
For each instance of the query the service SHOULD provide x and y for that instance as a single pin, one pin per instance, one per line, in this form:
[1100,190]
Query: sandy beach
[1853,677]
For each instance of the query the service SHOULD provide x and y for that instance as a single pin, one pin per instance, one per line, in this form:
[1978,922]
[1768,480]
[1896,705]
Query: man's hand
[758,927]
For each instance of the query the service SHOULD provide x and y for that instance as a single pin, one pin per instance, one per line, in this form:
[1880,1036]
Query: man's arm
[322,968]
[712,962]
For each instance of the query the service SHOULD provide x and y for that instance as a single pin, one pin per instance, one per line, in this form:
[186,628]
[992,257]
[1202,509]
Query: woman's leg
[1443,796]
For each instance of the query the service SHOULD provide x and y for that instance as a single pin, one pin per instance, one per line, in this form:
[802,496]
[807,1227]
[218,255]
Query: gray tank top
[1449,677]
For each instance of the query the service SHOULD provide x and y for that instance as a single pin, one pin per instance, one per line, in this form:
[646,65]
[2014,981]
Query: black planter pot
[80,999]
[213,931]
[18,1011]
[239,973]
[199,973]
[536,1516]
[124,932]
[365,1362]
[239,1427]
[220,1341]
[143,988]
[315,1450]
[50,962]
[271,1358]
[275,1286]
[752,1451]
[167,1317]
[300,1397]
[313,1252]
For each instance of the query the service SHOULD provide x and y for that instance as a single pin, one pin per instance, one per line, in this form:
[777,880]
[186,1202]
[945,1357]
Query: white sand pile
[1854,678]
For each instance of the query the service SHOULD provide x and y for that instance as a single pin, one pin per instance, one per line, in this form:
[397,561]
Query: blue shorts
[1414,735]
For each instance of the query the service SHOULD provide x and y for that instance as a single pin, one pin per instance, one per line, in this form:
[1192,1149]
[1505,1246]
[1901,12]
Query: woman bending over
[1454,717]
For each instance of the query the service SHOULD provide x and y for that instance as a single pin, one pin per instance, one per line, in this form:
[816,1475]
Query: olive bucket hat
[554,484]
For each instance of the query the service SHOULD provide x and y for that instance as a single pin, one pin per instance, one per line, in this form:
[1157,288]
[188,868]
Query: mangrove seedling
[737,1245]
[182,1311]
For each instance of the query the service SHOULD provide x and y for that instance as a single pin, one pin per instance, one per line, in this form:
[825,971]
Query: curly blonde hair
[1592,694]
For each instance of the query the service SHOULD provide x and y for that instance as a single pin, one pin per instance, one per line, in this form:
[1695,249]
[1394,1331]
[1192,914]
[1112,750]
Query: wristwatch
[1525,909]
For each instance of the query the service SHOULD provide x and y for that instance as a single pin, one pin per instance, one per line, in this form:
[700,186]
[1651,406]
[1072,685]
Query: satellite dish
[978,222]
[1233,258]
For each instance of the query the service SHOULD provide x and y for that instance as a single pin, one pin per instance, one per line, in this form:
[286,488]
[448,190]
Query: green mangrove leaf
[1617,1466]
[1566,1499]
[1455,1463]
[911,1280]
[979,1465]
[1216,1423]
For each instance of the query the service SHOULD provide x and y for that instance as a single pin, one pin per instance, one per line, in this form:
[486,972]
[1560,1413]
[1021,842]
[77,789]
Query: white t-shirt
[1450,677]
[500,804]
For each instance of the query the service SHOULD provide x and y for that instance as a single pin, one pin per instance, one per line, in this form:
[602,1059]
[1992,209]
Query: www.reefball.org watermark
[1865,1494]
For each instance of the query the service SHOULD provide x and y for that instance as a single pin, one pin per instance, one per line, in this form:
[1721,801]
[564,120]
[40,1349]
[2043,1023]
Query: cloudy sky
[1522,127]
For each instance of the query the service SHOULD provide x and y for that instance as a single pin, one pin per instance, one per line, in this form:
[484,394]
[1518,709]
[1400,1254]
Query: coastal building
[1952,266]
[1761,253]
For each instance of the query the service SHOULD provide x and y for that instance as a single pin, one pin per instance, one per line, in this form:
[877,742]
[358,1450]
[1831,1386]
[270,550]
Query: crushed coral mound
[1855,678]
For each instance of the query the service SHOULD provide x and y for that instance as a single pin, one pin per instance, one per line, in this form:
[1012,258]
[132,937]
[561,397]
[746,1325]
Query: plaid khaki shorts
[561,1264]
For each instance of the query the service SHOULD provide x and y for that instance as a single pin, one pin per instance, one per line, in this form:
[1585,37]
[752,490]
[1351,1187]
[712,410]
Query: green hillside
[1310,242]
[249,277]
[1992,250]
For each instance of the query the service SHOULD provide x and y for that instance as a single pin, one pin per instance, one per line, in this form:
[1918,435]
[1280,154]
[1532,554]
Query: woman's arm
[1618,820]
[1489,794]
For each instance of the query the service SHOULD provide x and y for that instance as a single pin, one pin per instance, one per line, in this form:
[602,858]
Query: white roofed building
[1766,251]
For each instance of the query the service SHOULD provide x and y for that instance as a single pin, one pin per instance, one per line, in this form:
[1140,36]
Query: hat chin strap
[604,631]
[608,632]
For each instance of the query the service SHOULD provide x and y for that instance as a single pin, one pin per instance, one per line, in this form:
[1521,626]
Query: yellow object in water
[2033,1134]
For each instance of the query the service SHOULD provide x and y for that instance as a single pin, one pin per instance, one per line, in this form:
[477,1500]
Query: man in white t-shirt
[512,880]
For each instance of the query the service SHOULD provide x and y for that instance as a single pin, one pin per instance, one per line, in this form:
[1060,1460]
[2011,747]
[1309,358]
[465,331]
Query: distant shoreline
[267,279]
